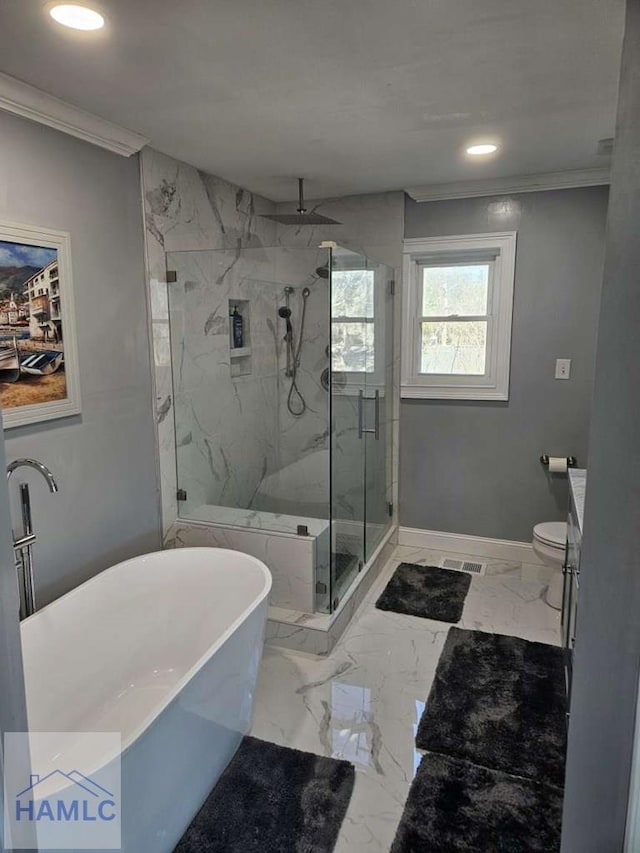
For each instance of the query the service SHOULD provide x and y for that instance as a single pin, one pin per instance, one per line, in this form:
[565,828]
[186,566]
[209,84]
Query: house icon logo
[63,791]
[75,797]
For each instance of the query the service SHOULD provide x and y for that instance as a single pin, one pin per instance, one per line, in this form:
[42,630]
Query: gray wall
[13,710]
[107,508]
[607,652]
[473,467]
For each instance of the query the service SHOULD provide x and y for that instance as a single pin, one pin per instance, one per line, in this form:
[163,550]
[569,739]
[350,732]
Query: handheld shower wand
[285,313]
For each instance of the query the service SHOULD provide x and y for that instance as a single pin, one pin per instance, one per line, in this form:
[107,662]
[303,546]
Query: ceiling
[358,96]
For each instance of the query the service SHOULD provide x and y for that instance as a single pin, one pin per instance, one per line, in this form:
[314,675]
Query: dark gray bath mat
[499,702]
[272,799]
[456,807]
[426,591]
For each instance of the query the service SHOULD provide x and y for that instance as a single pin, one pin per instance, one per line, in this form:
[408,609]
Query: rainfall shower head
[301,217]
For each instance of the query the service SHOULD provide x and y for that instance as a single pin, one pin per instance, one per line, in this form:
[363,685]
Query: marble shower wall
[186,210]
[231,434]
[300,436]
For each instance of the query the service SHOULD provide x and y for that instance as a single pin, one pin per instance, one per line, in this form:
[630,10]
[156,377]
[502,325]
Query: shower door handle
[361,428]
[376,431]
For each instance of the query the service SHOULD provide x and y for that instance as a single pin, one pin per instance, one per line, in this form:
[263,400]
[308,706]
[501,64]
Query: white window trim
[495,384]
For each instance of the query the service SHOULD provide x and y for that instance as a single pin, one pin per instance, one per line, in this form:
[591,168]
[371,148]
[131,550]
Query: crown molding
[522,184]
[24,100]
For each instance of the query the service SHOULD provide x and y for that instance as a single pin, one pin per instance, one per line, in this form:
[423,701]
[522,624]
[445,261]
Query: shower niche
[293,463]
[239,337]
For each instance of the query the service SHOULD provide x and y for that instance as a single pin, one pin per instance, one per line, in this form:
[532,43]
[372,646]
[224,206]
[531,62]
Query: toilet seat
[553,534]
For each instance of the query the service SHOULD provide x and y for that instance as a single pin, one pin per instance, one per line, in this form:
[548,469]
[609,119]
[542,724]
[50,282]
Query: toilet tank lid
[552,533]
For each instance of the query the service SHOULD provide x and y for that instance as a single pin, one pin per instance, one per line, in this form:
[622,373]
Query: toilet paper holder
[571,461]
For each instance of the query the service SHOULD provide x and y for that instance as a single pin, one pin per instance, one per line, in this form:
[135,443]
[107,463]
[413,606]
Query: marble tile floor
[363,702]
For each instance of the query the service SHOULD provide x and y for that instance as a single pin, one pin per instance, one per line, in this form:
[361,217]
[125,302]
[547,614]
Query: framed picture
[38,352]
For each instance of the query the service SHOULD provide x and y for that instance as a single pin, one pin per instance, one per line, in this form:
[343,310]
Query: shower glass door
[361,399]
[248,345]
[349,304]
[378,402]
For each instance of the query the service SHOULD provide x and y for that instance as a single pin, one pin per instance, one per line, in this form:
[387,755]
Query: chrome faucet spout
[37,466]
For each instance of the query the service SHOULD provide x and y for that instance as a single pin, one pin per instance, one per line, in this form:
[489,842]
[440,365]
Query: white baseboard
[458,543]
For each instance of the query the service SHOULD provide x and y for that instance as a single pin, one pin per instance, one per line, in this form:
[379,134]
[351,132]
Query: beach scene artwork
[32,369]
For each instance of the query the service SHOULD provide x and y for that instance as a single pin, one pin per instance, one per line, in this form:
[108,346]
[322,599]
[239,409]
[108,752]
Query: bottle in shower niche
[237,329]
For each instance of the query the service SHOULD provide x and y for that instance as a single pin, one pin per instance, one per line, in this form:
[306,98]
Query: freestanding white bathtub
[164,649]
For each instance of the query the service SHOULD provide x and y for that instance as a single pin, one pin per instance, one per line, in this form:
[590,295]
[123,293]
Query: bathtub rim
[193,671]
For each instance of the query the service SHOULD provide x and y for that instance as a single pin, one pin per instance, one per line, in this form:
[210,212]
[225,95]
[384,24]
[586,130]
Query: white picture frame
[60,323]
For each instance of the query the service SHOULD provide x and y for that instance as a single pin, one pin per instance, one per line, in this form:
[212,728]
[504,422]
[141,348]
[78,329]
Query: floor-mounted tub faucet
[22,544]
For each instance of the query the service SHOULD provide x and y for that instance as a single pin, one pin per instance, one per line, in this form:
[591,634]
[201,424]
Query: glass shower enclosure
[282,363]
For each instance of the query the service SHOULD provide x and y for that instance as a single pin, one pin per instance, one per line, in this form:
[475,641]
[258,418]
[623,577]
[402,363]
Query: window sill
[430,392]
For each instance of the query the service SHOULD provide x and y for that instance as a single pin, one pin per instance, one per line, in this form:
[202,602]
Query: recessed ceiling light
[482,149]
[77,17]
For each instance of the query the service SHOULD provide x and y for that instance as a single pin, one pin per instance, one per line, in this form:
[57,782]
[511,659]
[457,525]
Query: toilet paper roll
[558,464]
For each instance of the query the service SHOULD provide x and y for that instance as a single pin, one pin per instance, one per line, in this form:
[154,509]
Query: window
[353,321]
[454,347]
[458,297]
[358,332]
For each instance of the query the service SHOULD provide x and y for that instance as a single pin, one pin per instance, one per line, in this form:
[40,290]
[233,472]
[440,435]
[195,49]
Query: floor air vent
[469,566]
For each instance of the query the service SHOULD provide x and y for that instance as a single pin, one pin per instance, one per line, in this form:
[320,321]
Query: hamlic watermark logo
[61,808]
[91,801]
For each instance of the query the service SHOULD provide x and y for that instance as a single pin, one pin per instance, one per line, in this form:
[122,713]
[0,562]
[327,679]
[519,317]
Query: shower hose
[296,403]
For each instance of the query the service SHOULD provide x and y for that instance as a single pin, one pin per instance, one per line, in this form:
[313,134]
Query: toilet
[549,542]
